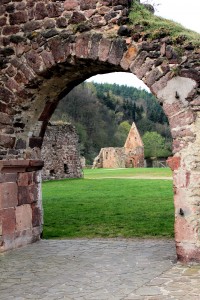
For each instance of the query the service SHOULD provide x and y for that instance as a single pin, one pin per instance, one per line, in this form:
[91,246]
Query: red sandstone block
[22,179]
[77,18]
[36,215]
[178,145]
[94,49]
[184,118]
[38,164]
[27,72]
[7,221]
[23,195]
[2,10]
[172,108]
[71,5]
[181,179]
[10,177]
[20,6]
[8,195]
[40,11]
[12,85]
[104,49]
[20,78]
[188,252]
[3,21]
[54,9]
[33,193]
[9,30]
[180,133]
[18,17]
[57,49]
[48,58]
[174,162]
[88,4]
[2,178]
[7,141]
[23,217]
[35,61]
[185,231]
[117,50]
[81,47]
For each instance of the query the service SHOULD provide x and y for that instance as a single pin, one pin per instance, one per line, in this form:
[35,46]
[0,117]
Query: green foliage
[103,114]
[154,145]
[103,208]
[122,133]
[156,27]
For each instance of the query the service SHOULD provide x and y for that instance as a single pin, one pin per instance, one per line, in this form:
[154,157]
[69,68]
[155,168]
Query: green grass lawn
[129,173]
[108,207]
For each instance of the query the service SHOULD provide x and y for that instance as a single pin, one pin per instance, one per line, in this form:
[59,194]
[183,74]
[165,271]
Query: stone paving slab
[97,269]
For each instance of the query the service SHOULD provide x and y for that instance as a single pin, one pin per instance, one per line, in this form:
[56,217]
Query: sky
[182,11]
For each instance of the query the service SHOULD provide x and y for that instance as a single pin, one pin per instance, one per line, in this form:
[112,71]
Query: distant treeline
[103,114]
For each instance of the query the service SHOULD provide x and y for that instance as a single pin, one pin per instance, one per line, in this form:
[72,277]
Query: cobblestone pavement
[97,270]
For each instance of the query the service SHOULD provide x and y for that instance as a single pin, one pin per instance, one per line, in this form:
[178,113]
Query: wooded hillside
[103,114]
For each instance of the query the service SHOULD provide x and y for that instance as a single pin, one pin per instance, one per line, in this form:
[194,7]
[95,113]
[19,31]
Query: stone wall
[60,152]
[20,203]
[110,158]
[129,156]
[134,149]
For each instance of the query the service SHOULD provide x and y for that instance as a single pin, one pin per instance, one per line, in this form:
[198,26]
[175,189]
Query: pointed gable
[134,139]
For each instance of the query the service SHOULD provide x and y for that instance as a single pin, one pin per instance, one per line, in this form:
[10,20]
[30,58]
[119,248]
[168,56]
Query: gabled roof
[133,139]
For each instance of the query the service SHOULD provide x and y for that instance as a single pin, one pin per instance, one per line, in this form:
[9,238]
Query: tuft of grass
[108,208]
[156,27]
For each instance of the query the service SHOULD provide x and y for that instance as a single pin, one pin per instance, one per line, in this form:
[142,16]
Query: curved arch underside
[46,49]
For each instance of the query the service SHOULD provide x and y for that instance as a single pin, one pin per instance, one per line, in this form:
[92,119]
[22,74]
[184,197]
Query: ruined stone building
[60,152]
[129,156]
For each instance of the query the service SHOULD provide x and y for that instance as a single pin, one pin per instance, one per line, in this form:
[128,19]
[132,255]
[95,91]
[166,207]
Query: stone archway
[46,49]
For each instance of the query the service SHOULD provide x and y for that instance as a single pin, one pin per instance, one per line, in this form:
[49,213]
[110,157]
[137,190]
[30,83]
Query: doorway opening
[113,206]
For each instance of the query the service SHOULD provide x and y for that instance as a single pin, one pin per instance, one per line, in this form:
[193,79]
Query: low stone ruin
[129,156]
[60,152]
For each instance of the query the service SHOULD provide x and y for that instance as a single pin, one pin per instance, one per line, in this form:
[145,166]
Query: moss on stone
[156,27]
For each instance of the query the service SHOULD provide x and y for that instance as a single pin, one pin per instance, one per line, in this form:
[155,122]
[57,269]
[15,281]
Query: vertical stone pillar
[20,203]
[186,175]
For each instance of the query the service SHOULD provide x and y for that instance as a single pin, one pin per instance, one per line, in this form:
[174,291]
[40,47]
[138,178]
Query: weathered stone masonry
[129,156]
[60,152]
[20,203]
[47,48]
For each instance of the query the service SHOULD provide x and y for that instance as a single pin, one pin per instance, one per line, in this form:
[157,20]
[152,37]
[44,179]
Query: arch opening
[79,91]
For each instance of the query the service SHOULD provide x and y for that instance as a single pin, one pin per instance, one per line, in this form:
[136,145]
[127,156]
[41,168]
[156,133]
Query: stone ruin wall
[129,156]
[60,153]
[134,149]
[110,158]
[135,158]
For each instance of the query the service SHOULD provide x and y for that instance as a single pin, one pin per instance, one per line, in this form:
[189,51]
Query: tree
[122,133]
[154,145]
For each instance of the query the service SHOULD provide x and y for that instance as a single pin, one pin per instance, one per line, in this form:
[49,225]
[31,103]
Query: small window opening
[52,172]
[66,169]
